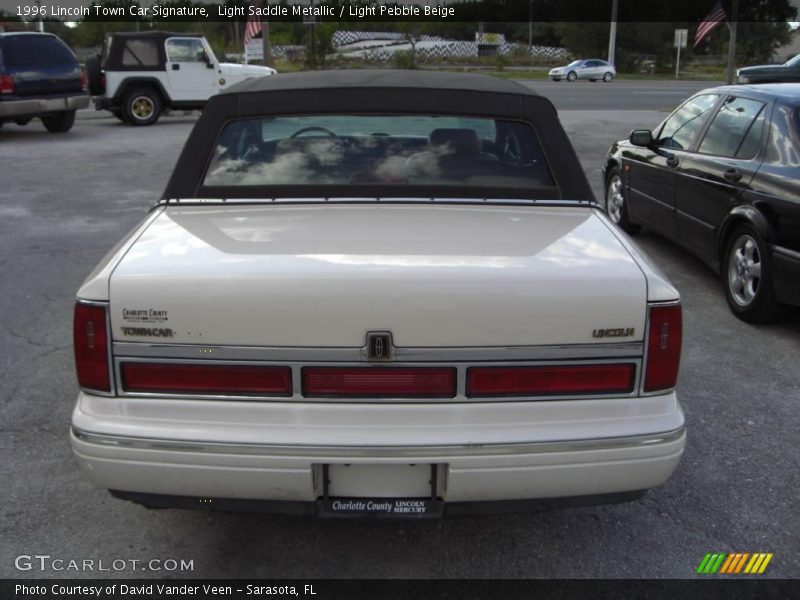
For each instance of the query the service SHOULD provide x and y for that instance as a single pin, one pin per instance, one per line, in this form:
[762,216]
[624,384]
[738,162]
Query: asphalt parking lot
[64,201]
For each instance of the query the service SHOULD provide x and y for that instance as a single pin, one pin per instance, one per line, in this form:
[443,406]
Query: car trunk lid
[325,274]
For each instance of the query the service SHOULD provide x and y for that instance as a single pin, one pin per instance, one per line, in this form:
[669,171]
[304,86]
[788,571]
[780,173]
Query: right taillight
[91,347]
[663,347]
[6,84]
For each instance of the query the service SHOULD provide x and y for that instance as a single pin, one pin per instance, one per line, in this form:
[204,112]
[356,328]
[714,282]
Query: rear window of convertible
[378,149]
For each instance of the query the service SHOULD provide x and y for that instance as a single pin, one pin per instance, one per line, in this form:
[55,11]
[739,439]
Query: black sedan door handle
[733,175]
[672,161]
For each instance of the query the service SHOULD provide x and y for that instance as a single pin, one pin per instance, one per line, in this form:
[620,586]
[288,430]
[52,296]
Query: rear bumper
[194,466]
[42,106]
[106,103]
[313,509]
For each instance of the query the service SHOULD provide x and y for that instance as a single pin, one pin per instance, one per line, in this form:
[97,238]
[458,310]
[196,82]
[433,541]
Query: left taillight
[6,84]
[198,378]
[663,348]
[91,347]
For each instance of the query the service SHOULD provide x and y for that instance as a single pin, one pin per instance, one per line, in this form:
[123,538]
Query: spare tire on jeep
[94,76]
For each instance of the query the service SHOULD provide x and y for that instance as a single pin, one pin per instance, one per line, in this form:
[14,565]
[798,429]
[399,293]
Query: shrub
[403,59]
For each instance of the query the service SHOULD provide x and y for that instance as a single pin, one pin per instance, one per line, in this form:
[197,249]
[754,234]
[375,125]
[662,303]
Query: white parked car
[379,305]
[592,70]
[139,75]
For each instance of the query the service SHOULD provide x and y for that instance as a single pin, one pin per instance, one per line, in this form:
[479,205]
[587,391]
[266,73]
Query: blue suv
[40,77]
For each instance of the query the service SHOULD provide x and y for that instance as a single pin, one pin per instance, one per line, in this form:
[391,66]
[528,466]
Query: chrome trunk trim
[358,354]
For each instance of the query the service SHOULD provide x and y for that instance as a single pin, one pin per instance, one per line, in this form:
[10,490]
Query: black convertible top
[151,34]
[113,59]
[373,91]
[381,78]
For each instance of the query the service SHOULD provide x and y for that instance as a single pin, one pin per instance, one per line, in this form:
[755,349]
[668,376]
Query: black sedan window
[681,128]
[735,130]
[378,149]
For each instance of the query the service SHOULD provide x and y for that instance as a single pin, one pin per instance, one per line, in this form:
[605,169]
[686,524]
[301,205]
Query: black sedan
[788,72]
[721,177]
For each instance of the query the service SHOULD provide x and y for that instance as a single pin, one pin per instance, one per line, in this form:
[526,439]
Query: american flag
[252,28]
[715,18]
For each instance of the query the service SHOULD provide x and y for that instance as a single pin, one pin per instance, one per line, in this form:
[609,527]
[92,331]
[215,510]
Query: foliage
[501,61]
[756,41]
[318,43]
[403,59]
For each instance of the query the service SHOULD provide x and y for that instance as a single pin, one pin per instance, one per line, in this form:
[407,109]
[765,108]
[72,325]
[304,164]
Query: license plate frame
[430,507]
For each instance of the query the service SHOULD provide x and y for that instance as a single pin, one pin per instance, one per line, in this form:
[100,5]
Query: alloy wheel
[744,270]
[142,107]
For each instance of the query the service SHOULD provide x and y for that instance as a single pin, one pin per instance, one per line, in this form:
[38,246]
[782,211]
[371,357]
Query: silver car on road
[592,69]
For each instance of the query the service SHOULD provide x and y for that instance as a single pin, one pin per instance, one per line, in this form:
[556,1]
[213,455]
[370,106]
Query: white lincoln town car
[377,293]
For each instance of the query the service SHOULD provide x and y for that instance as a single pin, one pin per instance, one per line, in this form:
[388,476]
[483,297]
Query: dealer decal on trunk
[144,315]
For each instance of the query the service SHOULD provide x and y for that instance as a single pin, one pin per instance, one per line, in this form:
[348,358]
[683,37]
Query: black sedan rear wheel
[616,206]
[747,275]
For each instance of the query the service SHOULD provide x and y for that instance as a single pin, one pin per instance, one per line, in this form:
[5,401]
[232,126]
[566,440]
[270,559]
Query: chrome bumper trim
[628,442]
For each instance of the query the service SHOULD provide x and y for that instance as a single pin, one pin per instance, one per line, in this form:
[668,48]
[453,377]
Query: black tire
[747,277]
[23,121]
[608,76]
[572,76]
[616,203]
[60,122]
[94,76]
[141,106]
[118,114]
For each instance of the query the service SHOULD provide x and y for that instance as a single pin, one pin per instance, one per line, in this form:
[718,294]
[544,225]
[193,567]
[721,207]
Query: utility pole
[268,60]
[732,43]
[39,23]
[530,26]
[612,34]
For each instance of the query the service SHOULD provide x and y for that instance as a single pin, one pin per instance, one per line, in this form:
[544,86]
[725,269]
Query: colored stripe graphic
[754,560]
[727,564]
[740,564]
[703,563]
[734,563]
[764,564]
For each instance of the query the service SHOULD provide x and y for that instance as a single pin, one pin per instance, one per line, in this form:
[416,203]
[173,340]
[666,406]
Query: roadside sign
[681,35]
[254,50]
